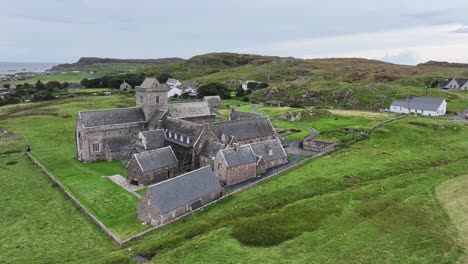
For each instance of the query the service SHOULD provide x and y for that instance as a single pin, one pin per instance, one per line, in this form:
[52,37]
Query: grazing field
[39,224]
[371,202]
[453,195]
[50,129]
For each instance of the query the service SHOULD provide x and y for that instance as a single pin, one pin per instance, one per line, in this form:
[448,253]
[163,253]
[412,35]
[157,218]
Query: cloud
[461,30]
[405,57]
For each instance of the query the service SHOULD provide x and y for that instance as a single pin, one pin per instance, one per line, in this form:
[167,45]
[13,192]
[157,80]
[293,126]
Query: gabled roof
[156,159]
[184,189]
[263,148]
[192,109]
[151,84]
[243,129]
[183,128]
[238,115]
[116,143]
[111,116]
[211,148]
[420,103]
[460,81]
[157,115]
[154,139]
[238,156]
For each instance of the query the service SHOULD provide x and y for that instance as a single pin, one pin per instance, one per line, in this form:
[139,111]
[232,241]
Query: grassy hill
[344,82]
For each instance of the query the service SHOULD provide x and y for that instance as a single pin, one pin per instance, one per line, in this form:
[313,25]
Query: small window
[223,137]
[270,152]
[175,136]
[96,147]
[170,134]
[219,166]
[182,138]
[157,99]
[141,99]
[188,140]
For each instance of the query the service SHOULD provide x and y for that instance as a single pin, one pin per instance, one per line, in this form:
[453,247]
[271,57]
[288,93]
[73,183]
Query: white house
[174,91]
[420,106]
[173,82]
[455,83]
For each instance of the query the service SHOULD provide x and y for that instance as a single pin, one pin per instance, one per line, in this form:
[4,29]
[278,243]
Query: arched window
[223,137]
[270,152]
[182,138]
[170,134]
[188,140]
[175,135]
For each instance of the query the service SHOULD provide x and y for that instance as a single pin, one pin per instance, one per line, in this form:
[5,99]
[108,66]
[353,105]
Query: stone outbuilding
[173,198]
[152,166]
[269,154]
[243,131]
[125,86]
[213,101]
[235,165]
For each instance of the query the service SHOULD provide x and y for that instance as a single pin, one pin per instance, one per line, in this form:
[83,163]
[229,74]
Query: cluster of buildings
[175,88]
[4,90]
[179,150]
[454,84]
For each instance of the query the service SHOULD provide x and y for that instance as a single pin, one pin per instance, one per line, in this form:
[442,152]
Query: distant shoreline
[12,68]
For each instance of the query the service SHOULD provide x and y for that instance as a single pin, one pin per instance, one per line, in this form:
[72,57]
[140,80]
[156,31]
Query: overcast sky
[399,31]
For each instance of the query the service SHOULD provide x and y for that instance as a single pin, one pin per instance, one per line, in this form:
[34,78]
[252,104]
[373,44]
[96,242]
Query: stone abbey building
[189,130]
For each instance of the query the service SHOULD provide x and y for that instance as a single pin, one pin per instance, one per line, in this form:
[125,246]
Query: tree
[214,89]
[53,84]
[163,77]
[39,85]
[240,91]
[43,96]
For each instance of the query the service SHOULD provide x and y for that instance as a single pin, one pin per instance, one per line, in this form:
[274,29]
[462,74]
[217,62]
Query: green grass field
[371,202]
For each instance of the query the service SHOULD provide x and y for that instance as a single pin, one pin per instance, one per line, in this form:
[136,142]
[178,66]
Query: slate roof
[211,148]
[111,116]
[192,109]
[156,117]
[213,101]
[460,81]
[154,138]
[420,103]
[238,115]
[263,148]
[243,129]
[184,189]
[184,128]
[239,156]
[156,159]
[116,143]
[152,84]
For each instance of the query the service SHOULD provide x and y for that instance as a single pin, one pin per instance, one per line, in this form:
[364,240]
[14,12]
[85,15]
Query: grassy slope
[52,138]
[453,195]
[373,202]
[39,224]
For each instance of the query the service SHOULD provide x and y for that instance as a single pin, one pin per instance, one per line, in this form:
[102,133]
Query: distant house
[170,199]
[173,82]
[455,84]
[420,106]
[274,103]
[152,166]
[235,165]
[213,101]
[12,87]
[173,91]
[269,154]
[125,86]
[152,139]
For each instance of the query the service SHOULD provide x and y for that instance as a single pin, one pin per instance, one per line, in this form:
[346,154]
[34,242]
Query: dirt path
[453,195]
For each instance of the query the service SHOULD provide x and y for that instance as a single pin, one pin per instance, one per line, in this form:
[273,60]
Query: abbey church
[188,131]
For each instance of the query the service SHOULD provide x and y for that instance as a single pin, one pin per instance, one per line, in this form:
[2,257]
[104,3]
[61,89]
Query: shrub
[11,162]
[246,99]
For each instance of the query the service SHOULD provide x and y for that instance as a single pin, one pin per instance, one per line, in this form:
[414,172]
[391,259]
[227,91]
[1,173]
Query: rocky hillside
[86,63]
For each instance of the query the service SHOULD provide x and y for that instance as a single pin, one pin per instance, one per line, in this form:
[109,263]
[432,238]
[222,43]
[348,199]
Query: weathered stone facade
[235,165]
[151,167]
